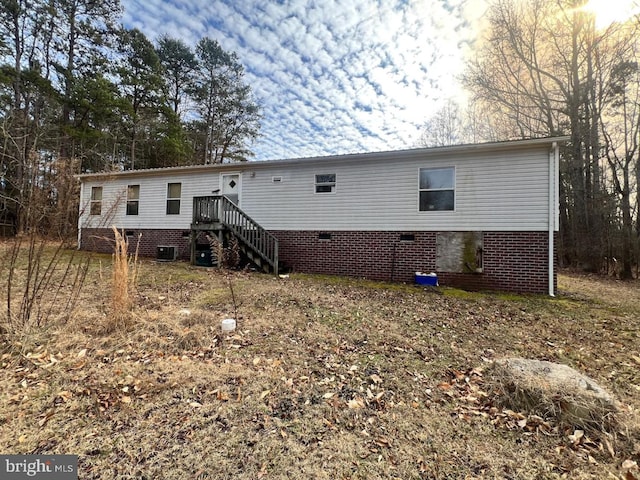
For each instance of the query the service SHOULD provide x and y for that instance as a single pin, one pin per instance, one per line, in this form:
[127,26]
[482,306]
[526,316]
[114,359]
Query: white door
[231,187]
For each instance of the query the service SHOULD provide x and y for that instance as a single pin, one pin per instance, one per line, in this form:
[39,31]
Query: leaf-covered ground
[325,377]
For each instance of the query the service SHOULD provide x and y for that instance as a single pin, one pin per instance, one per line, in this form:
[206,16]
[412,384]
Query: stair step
[256,243]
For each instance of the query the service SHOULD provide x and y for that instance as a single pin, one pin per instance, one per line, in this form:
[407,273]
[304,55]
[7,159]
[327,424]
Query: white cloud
[332,77]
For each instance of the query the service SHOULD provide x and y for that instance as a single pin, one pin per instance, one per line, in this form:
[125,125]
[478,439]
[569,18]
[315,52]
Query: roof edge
[411,152]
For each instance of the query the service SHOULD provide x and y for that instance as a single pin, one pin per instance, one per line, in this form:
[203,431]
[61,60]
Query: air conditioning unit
[166,253]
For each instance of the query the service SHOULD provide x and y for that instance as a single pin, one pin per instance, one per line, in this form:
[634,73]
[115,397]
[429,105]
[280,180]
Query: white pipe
[80,215]
[553,196]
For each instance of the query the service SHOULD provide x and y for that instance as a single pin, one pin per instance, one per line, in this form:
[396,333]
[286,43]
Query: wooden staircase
[216,214]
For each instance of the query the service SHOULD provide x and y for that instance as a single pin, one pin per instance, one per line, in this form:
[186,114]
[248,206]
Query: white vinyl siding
[498,191]
[153,201]
[503,189]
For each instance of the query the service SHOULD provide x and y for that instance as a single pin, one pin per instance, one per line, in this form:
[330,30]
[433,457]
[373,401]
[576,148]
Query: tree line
[544,68]
[79,92]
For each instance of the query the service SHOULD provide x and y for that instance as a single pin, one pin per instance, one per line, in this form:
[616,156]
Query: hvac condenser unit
[166,253]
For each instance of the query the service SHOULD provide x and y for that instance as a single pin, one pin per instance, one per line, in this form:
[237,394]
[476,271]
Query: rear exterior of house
[480,216]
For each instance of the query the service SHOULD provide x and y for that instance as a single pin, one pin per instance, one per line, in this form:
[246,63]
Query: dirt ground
[325,378]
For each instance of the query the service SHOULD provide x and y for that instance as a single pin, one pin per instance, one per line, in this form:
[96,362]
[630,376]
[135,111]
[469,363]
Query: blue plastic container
[429,279]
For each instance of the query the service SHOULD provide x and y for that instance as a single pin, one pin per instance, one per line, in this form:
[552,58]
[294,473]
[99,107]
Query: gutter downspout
[554,155]
[80,215]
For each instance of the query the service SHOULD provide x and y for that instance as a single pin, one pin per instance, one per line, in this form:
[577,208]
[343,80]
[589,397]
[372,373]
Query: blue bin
[429,279]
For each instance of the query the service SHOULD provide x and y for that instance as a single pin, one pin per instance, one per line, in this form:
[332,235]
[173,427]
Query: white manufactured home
[479,216]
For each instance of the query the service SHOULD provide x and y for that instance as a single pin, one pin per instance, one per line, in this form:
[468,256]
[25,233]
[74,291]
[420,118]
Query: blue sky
[332,77]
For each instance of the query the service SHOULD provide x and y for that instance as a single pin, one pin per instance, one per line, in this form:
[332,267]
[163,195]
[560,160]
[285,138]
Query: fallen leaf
[223,396]
[383,442]
[328,395]
[65,395]
[82,353]
[264,394]
[46,418]
[629,465]
[610,449]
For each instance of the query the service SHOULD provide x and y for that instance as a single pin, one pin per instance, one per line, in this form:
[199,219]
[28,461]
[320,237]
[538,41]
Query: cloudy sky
[332,76]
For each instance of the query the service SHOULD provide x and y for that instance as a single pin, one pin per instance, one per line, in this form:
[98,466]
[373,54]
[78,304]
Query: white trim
[553,158]
[80,216]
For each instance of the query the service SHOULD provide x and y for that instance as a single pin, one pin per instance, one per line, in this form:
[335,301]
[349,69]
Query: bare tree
[543,69]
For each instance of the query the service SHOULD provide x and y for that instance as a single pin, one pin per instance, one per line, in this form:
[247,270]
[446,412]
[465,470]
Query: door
[231,187]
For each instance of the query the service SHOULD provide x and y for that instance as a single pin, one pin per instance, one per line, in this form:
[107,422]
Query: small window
[174,192]
[407,237]
[326,183]
[437,189]
[276,179]
[96,201]
[133,199]
[324,236]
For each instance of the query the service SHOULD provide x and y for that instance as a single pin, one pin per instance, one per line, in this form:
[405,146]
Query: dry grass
[325,378]
[124,277]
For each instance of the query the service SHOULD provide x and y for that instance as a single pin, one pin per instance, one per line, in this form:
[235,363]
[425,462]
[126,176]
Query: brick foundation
[512,261]
[101,240]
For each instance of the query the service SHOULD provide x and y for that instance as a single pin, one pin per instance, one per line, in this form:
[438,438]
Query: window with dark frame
[437,189]
[326,183]
[174,193]
[95,207]
[133,199]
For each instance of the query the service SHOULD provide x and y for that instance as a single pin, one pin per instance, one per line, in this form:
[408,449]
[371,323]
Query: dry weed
[124,277]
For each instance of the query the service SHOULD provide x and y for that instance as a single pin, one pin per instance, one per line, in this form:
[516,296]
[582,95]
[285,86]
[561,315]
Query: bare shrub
[42,283]
[227,257]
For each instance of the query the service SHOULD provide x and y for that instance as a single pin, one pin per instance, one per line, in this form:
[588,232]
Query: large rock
[551,390]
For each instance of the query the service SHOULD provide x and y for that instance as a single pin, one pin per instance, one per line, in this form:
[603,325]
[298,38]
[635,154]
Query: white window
[133,199]
[326,183]
[174,192]
[96,201]
[437,189]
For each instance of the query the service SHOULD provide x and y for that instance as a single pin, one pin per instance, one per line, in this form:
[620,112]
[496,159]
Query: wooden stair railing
[218,212]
